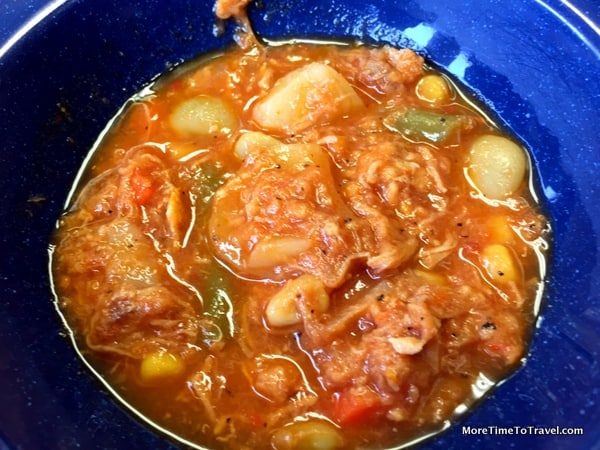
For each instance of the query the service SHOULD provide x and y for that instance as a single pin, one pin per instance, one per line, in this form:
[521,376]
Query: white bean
[275,251]
[497,166]
[282,309]
[203,115]
[310,435]
[407,345]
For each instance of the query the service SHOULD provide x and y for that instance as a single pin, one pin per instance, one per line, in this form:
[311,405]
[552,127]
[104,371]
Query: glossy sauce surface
[300,244]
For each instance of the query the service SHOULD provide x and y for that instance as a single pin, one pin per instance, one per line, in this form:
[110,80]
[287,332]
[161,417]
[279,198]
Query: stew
[302,245]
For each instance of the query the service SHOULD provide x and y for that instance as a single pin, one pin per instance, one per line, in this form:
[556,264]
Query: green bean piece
[418,125]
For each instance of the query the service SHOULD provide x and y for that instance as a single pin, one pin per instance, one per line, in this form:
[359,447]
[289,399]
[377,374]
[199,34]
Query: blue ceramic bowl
[67,66]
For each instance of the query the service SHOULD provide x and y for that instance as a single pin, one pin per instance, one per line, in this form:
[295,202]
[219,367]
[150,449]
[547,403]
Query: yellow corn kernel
[159,365]
[433,89]
[500,264]
[499,230]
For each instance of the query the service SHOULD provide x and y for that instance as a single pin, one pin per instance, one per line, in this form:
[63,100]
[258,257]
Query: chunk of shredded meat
[307,269]
[385,70]
[135,321]
[272,209]
[129,311]
[397,327]
[225,9]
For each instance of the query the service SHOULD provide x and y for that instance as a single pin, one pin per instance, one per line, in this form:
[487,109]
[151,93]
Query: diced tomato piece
[356,406]
[496,348]
[507,352]
[143,187]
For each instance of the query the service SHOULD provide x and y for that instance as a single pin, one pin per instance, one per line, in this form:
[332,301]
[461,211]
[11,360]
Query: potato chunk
[311,95]
[203,115]
[255,140]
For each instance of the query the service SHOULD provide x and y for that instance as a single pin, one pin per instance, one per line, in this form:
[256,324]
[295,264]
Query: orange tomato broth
[156,274]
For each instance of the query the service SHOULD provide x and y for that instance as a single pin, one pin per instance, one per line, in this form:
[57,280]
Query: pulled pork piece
[226,9]
[135,322]
[385,70]
[277,379]
[391,328]
[118,233]
[281,215]
[382,366]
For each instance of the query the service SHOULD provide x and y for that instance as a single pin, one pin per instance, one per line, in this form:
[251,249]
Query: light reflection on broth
[285,245]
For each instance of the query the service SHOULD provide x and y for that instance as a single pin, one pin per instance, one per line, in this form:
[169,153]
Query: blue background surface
[535,63]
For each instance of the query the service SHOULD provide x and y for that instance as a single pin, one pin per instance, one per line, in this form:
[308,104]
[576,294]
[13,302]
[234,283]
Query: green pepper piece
[218,306]
[207,179]
[417,124]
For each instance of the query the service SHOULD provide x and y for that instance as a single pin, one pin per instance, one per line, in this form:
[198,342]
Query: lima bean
[497,166]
